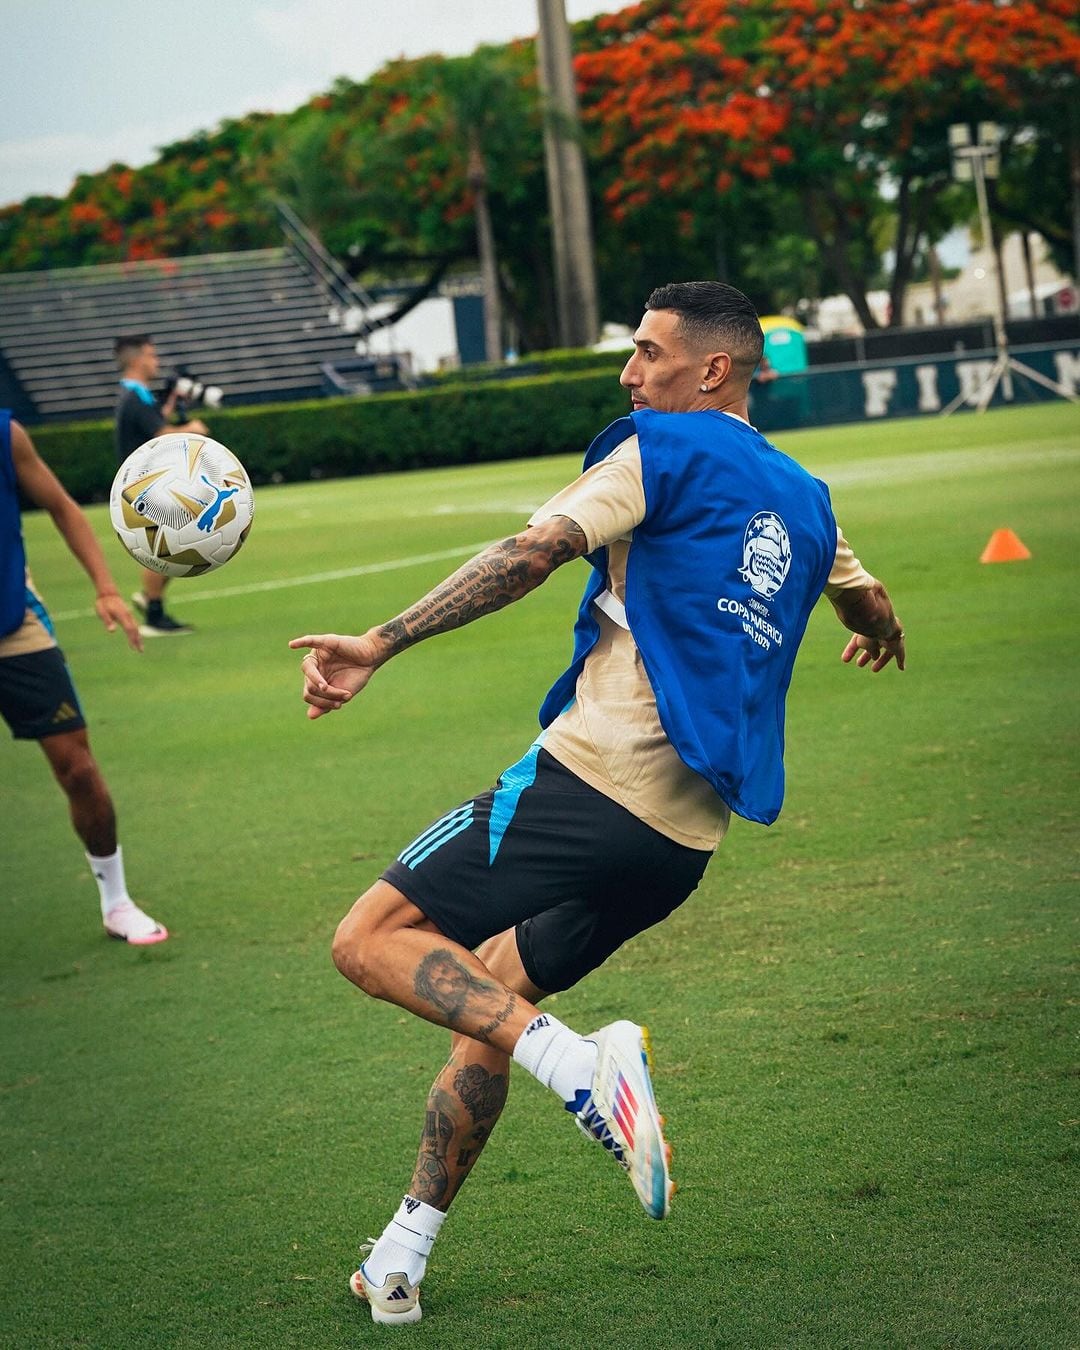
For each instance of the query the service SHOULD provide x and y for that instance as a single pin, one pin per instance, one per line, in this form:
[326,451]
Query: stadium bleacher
[259,325]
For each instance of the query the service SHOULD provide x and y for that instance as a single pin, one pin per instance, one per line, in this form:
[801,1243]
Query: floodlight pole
[1001,337]
[976,158]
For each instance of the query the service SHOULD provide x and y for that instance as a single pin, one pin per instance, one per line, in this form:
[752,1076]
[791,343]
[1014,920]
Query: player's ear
[718,368]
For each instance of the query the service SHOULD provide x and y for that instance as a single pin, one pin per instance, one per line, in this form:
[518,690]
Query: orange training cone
[1004,546]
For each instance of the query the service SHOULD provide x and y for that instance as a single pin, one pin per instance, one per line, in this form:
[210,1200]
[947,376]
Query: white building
[971,295]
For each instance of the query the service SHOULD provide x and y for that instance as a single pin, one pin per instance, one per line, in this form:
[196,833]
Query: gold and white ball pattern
[182,504]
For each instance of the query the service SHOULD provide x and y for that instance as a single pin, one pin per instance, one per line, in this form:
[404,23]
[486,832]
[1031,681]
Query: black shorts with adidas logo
[573,872]
[37,696]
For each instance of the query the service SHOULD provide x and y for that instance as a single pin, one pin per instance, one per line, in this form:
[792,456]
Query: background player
[37,697]
[139,418]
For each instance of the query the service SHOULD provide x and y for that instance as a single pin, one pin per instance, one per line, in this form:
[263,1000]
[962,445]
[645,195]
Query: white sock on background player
[109,875]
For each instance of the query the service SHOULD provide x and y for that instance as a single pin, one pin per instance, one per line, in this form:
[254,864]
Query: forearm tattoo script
[500,575]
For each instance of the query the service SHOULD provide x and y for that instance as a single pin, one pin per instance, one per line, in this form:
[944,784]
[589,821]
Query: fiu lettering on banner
[906,387]
[926,386]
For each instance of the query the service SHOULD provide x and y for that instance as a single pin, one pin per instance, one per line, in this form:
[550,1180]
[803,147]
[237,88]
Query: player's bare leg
[153,584]
[91,807]
[94,819]
[391,950]
[467,1097]
[149,600]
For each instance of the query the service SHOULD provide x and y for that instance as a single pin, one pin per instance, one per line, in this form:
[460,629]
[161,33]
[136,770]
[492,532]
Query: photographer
[139,418]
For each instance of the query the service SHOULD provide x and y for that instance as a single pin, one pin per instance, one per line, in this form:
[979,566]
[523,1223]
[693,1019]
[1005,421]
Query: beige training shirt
[32,635]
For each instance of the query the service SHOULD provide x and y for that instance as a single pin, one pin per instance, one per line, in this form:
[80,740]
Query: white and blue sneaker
[395,1302]
[622,1103]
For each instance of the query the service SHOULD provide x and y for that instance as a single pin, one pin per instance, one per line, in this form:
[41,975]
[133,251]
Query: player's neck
[734,406]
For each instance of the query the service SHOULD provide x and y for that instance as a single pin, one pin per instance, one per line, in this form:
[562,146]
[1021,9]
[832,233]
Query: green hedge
[342,438]
[557,361]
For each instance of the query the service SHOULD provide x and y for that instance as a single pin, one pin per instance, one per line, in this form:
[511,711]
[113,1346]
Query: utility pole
[568,197]
[1074,175]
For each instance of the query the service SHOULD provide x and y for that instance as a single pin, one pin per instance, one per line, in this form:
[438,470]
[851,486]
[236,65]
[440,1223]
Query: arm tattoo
[460,997]
[497,577]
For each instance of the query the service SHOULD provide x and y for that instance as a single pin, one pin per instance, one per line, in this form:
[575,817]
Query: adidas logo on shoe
[395,1302]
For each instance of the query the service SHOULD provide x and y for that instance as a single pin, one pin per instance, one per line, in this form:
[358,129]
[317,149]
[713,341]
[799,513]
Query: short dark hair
[128,346]
[715,315]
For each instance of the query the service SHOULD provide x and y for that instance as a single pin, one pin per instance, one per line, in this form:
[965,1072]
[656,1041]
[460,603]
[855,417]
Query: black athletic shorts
[37,697]
[575,873]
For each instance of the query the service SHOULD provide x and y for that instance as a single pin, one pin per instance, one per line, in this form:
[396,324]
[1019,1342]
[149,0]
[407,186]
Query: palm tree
[485,105]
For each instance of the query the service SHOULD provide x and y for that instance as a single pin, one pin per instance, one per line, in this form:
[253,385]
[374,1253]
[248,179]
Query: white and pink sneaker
[127,922]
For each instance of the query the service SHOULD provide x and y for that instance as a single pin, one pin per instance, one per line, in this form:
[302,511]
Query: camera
[188,389]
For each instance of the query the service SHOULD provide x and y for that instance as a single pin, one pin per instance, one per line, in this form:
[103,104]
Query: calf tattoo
[431,1179]
[456,1127]
[483,1093]
[447,985]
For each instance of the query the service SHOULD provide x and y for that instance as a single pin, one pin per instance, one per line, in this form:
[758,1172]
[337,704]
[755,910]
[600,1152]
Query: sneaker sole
[159,936]
[358,1290]
[148,630]
[663,1191]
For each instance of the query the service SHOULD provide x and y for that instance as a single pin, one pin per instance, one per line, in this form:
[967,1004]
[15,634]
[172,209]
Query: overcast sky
[89,82]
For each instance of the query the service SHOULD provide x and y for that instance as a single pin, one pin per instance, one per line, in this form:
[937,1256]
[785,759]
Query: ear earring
[704,388]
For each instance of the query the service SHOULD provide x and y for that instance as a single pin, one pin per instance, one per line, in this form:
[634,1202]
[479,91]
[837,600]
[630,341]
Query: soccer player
[708,549]
[37,698]
[139,418]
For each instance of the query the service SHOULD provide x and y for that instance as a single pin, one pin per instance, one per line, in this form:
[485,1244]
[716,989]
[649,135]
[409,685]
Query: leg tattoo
[483,1093]
[444,982]
[464,1103]
[431,1178]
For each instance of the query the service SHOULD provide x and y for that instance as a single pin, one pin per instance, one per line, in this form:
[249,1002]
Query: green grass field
[865,1019]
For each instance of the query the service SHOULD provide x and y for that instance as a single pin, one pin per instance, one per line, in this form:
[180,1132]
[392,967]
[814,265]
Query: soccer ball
[181,504]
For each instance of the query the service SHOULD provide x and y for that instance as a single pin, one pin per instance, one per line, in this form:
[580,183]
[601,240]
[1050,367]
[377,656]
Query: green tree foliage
[204,194]
[788,145]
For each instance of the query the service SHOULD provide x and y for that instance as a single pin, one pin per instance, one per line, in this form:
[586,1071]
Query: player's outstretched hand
[111,610]
[878,651]
[336,668]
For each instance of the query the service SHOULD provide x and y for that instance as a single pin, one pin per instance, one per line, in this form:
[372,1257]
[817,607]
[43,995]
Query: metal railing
[307,248]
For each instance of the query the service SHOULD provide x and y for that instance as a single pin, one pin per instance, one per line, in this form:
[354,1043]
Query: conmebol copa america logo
[766,554]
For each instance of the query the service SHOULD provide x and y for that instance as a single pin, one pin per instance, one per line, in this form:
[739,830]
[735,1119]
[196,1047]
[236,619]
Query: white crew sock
[109,875]
[406,1243]
[556,1056]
